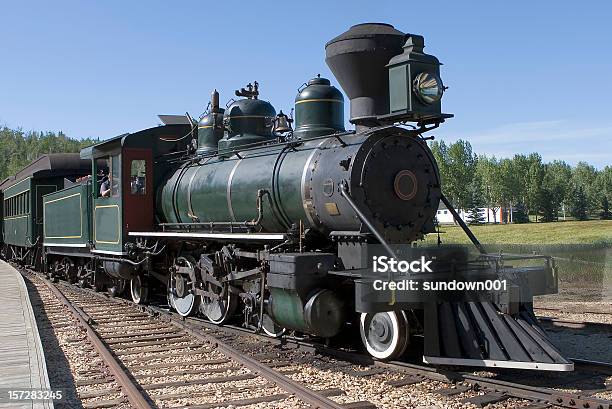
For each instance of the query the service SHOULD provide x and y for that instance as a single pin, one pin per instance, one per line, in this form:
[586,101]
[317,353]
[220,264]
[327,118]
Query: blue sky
[523,76]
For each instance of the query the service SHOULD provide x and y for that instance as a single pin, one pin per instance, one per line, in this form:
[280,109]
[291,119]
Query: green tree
[549,207]
[603,186]
[474,209]
[457,164]
[519,214]
[605,213]
[555,184]
[535,175]
[585,176]
[461,165]
[580,204]
[440,152]
[509,186]
[521,165]
[19,148]
[487,171]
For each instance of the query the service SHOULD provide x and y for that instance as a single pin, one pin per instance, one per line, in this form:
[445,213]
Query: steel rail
[581,312]
[512,389]
[593,365]
[296,388]
[300,391]
[135,396]
[569,324]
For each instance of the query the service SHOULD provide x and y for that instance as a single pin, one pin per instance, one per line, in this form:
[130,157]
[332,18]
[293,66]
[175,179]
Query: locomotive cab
[123,191]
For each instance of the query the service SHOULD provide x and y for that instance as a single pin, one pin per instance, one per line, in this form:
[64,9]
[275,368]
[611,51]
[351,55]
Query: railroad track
[490,390]
[563,321]
[559,310]
[230,345]
[551,322]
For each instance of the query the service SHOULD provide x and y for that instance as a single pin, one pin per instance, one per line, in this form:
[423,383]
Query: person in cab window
[136,186]
[105,186]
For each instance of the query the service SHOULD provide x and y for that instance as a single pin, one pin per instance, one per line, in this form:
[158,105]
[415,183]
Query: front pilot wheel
[384,334]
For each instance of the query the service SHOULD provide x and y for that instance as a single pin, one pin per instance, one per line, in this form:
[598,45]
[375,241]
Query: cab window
[108,177]
[138,177]
[115,176]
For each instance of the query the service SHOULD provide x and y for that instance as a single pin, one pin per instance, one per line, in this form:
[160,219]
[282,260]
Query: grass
[581,248]
[597,232]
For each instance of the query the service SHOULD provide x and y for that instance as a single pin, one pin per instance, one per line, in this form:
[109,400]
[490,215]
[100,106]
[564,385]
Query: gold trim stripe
[62,198]
[118,226]
[16,194]
[319,100]
[16,183]
[17,217]
[248,116]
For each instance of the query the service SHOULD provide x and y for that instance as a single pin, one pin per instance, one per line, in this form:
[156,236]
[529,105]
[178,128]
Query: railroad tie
[452,391]
[410,380]
[537,405]
[486,399]
[101,404]
[363,374]
[362,404]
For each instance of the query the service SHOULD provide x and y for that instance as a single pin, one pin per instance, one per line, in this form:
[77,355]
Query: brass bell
[282,123]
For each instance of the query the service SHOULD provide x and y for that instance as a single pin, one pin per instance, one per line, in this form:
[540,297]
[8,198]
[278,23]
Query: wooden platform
[22,359]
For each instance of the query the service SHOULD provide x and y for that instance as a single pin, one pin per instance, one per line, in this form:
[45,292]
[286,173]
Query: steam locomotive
[242,218]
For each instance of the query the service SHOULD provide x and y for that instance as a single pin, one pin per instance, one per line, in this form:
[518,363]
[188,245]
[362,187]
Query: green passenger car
[23,202]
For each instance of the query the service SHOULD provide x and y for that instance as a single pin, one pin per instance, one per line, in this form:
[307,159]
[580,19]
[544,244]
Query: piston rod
[344,192]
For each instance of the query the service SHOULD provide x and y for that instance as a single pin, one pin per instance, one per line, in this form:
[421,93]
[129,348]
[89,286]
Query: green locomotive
[240,218]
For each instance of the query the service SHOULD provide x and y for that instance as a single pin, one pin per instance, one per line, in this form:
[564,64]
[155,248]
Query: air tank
[319,109]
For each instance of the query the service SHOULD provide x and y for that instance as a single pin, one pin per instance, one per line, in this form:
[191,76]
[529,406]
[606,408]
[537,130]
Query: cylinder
[322,314]
[319,110]
[118,269]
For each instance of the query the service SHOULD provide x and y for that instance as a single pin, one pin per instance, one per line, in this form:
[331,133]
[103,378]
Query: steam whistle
[251,91]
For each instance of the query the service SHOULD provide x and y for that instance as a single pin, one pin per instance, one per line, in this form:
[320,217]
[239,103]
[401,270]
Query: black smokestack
[358,59]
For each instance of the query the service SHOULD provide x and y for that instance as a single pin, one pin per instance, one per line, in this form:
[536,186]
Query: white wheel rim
[398,339]
[188,304]
[217,311]
[184,306]
[169,297]
[136,289]
[279,333]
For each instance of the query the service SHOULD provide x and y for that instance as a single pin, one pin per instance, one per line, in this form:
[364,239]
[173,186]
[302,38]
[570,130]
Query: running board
[478,334]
